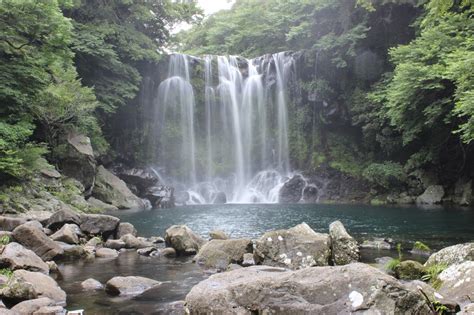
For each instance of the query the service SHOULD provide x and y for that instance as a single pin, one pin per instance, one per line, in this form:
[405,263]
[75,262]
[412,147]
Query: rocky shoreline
[283,271]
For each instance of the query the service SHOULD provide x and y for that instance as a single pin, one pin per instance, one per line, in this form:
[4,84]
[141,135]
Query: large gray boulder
[15,256]
[161,196]
[10,223]
[112,190]
[183,240]
[344,247]
[125,228]
[63,216]
[451,255]
[218,254]
[131,241]
[457,282]
[292,190]
[295,248]
[141,178]
[67,234]
[433,195]
[95,203]
[350,289]
[27,285]
[78,161]
[91,285]
[99,224]
[32,306]
[35,239]
[129,286]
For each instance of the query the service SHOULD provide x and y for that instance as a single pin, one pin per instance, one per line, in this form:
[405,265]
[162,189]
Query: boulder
[350,289]
[27,285]
[310,194]
[115,244]
[63,216]
[10,223]
[183,240]
[156,239]
[457,282]
[99,224]
[344,247]
[147,251]
[31,306]
[168,252]
[292,190]
[218,254]
[140,178]
[218,235]
[51,310]
[67,234]
[433,195]
[248,260]
[161,196]
[78,160]
[95,203]
[15,256]
[409,270]
[72,251]
[106,253]
[220,198]
[134,242]
[125,228]
[455,254]
[91,285]
[36,240]
[112,190]
[294,248]
[37,215]
[130,286]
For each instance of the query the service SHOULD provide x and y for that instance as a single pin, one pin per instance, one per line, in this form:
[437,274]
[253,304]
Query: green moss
[392,264]
[4,240]
[377,202]
[432,273]
[421,247]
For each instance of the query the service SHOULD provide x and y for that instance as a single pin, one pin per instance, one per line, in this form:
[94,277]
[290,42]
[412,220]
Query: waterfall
[223,126]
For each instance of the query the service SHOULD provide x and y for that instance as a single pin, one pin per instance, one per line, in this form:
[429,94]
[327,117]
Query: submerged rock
[433,194]
[344,247]
[292,190]
[183,240]
[218,254]
[452,255]
[35,239]
[130,286]
[112,190]
[353,288]
[15,256]
[294,248]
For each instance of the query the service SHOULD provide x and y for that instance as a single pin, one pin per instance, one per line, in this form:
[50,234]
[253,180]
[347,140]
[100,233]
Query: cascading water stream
[230,137]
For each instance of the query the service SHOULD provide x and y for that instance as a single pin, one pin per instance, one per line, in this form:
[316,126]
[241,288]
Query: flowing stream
[223,127]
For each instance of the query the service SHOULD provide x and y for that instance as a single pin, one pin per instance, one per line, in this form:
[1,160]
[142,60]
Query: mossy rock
[409,270]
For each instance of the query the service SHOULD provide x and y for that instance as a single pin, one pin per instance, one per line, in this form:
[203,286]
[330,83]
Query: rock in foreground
[455,254]
[219,254]
[130,286]
[344,247]
[345,289]
[183,240]
[294,248]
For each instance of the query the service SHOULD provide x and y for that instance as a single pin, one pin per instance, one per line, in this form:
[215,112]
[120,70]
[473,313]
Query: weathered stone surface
[125,228]
[98,204]
[433,194]
[10,223]
[458,282]
[218,254]
[218,235]
[467,309]
[35,239]
[78,161]
[15,256]
[452,255]
[183,240]
[161,196]
[71,250]
[409,270]
[248,260]
[37,215]
[51,310]
[112,190]
[129,285]
[147,251]
[344,247]
[294,248]
[99,224]
[27,285]
[106,253]
[141,178]
[31,306]
[168,252]
[63,216]
[292,190]
[115,244]
[354,288]
[156,239]
[91,285]
[67,234]
[134,242]
[50,173]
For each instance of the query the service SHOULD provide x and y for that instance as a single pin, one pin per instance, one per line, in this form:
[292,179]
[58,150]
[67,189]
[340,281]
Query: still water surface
[438,227]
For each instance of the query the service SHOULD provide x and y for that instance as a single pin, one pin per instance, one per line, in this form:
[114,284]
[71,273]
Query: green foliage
[392,264]
[7,272]
[387,174]
[421,246]
[4,240]
[432,273]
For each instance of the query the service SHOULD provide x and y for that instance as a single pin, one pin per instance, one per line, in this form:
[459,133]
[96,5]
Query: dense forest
[385,91]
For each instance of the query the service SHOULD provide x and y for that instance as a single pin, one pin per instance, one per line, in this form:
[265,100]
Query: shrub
[386,175]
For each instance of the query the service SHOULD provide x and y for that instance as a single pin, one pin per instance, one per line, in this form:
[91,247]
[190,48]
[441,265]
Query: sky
[212,6]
